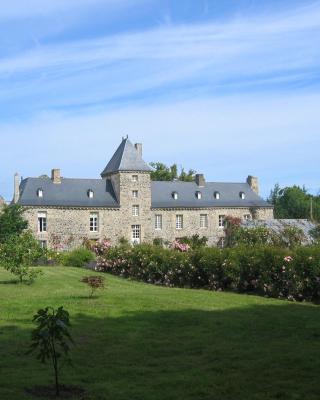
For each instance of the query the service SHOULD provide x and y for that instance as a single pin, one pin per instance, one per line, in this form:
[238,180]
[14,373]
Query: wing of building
[125,203]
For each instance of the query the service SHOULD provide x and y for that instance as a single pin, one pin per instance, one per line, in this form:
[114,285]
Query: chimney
[200,181]
[252,181]
[138,147]
[16,194]
[55,175]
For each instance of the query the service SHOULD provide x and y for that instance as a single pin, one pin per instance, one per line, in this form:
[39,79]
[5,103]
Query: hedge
[270,271]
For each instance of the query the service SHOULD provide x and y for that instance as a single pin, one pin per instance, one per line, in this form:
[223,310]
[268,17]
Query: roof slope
[126,158]
[68,193]
[229,195]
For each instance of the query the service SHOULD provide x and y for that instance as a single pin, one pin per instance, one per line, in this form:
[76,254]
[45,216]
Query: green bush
[77,257]
[265,270]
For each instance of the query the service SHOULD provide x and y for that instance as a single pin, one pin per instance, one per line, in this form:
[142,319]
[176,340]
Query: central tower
[130,178]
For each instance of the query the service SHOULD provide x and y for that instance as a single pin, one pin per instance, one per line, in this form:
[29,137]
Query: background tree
[294,202]
[12,222]
[164,173]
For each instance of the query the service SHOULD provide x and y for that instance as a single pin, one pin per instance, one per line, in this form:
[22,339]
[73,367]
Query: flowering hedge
[269,271]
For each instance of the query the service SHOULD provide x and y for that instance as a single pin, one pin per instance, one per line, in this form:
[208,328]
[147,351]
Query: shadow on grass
[10,282]
[260,352]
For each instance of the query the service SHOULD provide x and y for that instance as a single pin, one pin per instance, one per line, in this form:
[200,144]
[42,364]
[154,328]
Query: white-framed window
[221,243]
[134,178]
[136,233]
[90,193]
[174,195]
[158,222]
[203,220]
[42,222]
[222,219]
[43,244]
[247,217]
[179,221]
[135,194]
[40,192]
[135,210]
[216,195]
[94,222]
[242,195]
[198,195]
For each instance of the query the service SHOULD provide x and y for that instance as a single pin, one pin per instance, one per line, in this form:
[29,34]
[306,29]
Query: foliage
[315,233]
[164,173]
[94,282]
[12,222]
[18,253]
[77,257]
[266,270]
[194,241]
[52,338]
[294,202]
[183,247]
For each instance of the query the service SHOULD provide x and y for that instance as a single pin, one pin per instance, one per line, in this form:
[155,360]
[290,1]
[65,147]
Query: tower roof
[126,158]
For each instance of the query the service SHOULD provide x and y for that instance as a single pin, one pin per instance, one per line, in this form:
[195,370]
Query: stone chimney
[200,181]
[55,175]
[252,181]
[16,194]
[138,147]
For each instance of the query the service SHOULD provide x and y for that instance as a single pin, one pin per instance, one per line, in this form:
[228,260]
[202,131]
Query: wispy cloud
[265,50]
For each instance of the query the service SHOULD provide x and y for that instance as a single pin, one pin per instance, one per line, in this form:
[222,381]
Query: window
[158,222]
[42,222]
[203,220]
[90,193]
[135,211]
[179,221]
[43,244]
[242,195]
[221,220]
[247,217]
[198,195]
[135,194]
[40,192]
[135,233]
[221,243]
[175,195]
[216,195]
[94,222]
[134,178]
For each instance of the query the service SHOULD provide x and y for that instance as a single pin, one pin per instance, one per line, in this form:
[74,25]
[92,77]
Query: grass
[138,341]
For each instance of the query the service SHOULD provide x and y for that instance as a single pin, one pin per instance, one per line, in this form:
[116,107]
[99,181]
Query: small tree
[94,282]
[18,253]
[52,339]
[12,222]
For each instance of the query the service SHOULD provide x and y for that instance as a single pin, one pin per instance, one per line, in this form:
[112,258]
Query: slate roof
[126,158]
[229,195]
[74,193]
[68,193]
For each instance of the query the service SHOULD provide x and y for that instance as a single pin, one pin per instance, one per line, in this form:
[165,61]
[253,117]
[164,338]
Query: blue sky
[228,88]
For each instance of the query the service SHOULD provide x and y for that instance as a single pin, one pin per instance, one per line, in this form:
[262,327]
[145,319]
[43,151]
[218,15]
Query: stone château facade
[125,203]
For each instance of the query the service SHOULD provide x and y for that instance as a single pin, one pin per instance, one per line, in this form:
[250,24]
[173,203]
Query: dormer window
[40,192]
[242,195]
[198,195]
[90,193]
[216,195]
[175,195]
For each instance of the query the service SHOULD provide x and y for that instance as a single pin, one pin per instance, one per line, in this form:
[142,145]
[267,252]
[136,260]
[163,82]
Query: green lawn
[138,341]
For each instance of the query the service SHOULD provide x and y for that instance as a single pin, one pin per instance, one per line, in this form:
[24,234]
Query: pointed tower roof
[126,158]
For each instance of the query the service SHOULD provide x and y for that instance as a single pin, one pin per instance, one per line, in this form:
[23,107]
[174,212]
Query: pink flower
[288,259]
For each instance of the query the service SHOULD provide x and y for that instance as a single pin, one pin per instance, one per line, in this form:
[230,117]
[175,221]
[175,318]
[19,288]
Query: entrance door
[136,234]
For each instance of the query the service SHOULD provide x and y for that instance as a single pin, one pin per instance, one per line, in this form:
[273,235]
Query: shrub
[265,270]
[194,241]
[77,257]
[94,282]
